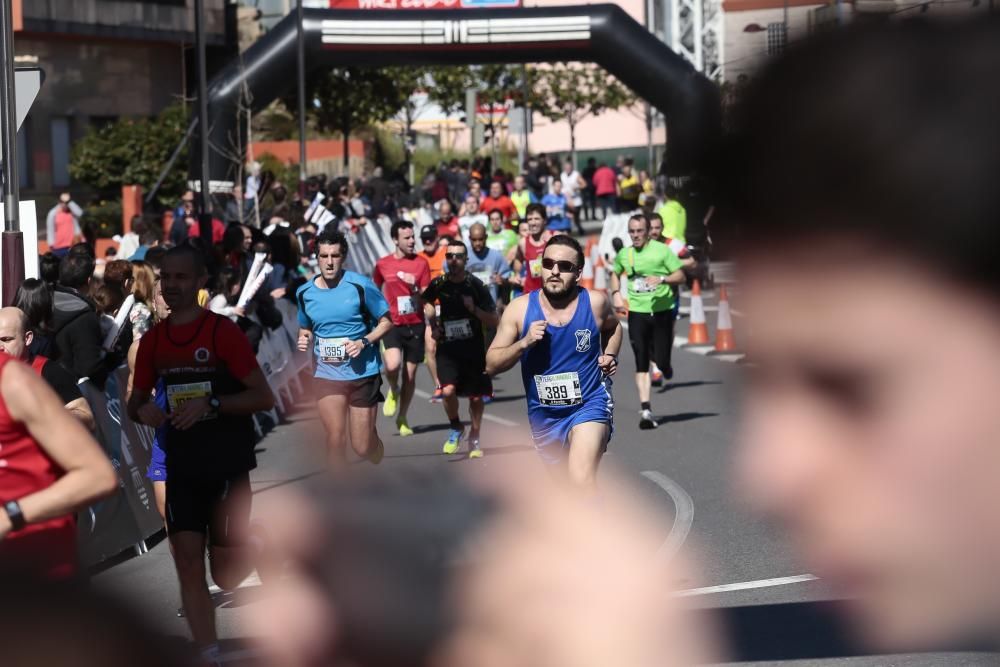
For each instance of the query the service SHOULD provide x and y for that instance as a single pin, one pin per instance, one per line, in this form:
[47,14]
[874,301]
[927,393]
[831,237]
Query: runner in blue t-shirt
[555,209]
[486,263]
[567,340]
[342,316]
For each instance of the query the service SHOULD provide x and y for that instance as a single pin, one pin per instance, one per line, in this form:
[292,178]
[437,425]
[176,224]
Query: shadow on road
[684,417]
[683,385]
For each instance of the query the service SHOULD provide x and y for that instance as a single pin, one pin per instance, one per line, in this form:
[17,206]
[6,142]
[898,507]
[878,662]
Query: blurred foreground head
[867,178]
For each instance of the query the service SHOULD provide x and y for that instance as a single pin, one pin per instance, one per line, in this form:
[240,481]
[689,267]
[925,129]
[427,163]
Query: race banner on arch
[411,4]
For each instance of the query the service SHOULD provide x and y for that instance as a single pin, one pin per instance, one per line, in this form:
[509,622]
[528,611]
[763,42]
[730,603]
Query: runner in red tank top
[50,467]
[213,387]
[530,248]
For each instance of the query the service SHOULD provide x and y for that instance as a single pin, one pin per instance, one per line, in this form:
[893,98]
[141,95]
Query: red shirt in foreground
[388,275]
[46,548]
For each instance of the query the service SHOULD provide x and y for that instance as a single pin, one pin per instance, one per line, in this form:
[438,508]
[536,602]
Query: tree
[133,151]
[347,98]
[571,92]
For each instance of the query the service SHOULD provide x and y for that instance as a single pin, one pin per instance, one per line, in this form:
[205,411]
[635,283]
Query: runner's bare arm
[675,278]
[611,328]
[88,473]
[80,409]
[507,344]
[380,330]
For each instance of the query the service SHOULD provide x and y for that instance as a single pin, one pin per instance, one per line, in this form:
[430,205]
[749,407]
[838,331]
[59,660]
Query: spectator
[589,198]
[119,272]
[447,223]
[75,321]
[218,230]
[284,260]
[141,317]
[572,187]
[108,298]
[673,215]
[606,189]
[555,208]
[628,188]
[238,208]
[179,230]
[236,244]
[62,225]
[150,237]
[130,241]
[34,298]
[48,269]
[379,189]
[225,292]
[186,207]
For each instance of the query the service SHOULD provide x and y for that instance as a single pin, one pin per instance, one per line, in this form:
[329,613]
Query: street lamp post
[205,218]
[13,243]
[302,97]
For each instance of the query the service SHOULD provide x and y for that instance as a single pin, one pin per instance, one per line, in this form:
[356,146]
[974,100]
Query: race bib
[535,267]
[457,329]
[404,305]
[486,277]
[178,394]
[558,389]
[641,285]
[333,350]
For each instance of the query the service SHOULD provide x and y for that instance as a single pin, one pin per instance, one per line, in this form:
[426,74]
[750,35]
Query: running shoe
[389,408]
[647,420]
[437,396]
[451,444]
[376,455]
[656,378]
[404,428]
[486,399]
[474,451]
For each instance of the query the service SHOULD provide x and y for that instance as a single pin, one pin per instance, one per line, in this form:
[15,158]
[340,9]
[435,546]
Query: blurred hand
[535,332]
[303,343]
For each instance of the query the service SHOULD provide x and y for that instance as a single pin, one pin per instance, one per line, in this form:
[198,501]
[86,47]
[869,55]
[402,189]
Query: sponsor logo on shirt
[201,355]
[582,340]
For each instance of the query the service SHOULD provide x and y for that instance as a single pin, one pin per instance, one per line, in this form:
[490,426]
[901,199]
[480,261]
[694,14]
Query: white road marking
[746,585]
[703,350]
[487,416]
[683,517]
[731,358]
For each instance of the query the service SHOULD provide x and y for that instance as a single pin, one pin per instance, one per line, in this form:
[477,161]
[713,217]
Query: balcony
[149,20]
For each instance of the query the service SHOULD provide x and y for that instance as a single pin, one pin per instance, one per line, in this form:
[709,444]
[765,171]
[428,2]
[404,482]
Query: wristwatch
[14,513]
[214,403]
[366,342]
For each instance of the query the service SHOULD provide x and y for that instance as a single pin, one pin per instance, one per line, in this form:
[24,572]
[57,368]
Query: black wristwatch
[366,342]
[14,513]
[214,403]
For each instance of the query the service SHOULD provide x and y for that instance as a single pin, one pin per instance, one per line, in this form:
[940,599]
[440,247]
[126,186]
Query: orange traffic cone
[587,276]
[698,331]
[724,340]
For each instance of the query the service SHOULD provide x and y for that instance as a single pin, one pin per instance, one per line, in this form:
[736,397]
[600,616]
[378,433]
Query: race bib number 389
[558,389]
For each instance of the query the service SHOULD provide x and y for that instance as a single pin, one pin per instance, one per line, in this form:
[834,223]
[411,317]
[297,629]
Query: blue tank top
[560,372]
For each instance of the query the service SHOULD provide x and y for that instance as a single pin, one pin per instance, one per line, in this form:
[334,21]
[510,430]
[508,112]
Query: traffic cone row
[590,268]
[725,340]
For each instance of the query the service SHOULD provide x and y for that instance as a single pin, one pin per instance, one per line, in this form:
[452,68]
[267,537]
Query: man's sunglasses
[565,266]
[455,255]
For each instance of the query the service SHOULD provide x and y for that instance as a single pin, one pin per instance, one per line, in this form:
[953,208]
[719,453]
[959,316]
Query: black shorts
[465,369]
[217,507]
[652,337]
[409,338]
[361,393]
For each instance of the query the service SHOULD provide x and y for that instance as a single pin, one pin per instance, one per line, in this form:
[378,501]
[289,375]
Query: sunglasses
[565,266]
[455,255]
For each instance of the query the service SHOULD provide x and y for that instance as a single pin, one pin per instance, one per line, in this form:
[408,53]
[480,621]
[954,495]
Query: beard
[556,291]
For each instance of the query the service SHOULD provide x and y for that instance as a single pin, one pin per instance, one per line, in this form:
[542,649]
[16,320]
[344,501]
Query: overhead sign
[412,4]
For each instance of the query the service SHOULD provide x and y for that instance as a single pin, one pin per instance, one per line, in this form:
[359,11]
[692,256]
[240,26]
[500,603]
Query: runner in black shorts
[466,307]
[213,387]
[342,316]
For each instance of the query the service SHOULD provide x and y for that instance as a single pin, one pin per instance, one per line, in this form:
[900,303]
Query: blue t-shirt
[555,209]
[484,267]
[334,316]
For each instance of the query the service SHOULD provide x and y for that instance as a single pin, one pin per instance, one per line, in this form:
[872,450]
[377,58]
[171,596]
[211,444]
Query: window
[777,37]
[24,175]
[60,152]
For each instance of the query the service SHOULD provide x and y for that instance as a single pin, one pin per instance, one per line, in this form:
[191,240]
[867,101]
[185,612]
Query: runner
[500,237]
[342,316]
[651,269]
[529,248]
[521,197]
[466,307]
[50,467]
[402,276]
[213,387]
[434,249]
[567,340]
[687,262]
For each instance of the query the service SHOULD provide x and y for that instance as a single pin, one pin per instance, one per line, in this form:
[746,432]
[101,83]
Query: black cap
[428,232]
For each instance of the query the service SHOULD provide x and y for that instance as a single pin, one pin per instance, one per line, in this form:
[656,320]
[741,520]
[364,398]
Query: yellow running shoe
[451,444]
[404,429]
[389,408]
[474,451]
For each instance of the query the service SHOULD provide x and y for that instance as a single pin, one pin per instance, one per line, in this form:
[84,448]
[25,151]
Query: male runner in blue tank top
[567,340]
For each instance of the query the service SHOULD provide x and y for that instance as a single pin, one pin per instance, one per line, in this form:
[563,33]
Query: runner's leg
[639,333]
[663,340]
[160,495]
[233,556]
[430,356]
[393,357]
[450,402]
[333,413]
[587,441]
[364,436]
[409,385]
[188,549]
[476,409]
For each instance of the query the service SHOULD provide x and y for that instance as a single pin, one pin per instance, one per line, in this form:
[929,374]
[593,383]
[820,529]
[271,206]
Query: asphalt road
[682,468]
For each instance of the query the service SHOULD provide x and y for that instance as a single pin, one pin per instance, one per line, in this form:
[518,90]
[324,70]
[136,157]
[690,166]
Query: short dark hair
[194,255]
[569,242]
[639,216]
[154,256]
[535,208]
[827,149]
[331,236]
[398,225]
[48,268]
[497,211]
[456,243]
[75,270]
[34,298]
[150,235]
